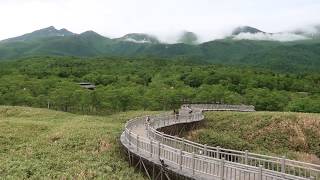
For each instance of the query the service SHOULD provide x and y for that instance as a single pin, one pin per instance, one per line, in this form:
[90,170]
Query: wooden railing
[211,161]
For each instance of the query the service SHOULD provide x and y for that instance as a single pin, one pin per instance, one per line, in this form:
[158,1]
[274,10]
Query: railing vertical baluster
[222,169]
[159,149]
[283,164]
[180,159]
[205,149]
[129,137]
[137,143]
[183,144]
[193,163]
[151,147]
[246,157]
[218,152]
[260,173]
[162,137]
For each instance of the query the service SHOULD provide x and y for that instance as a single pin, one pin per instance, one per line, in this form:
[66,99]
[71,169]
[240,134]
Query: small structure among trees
[87,85]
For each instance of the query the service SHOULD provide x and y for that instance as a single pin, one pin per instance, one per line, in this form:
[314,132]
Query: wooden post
[159,149]
[129,137]
[162,137]
[246,157]
[183,144]
[283,164]
[180,159]
[193,163]
[260,173]
[137,143]
[176,142]
[151,147]
[205,150]
[222,169]
[218,152]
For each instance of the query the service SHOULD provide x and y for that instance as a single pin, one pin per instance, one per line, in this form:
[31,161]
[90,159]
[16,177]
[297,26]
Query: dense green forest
[150,84]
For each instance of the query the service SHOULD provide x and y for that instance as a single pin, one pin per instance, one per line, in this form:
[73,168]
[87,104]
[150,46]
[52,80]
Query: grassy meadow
[45,144]
[295,135]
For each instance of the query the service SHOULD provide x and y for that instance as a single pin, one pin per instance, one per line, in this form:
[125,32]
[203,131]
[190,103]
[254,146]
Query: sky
[164,18]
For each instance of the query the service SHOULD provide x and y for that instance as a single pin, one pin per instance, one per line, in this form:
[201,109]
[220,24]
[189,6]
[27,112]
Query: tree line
[150,84]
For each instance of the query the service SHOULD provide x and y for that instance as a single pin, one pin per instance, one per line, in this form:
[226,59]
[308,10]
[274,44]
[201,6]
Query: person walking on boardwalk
[189,109]
[147,119]
[176,114]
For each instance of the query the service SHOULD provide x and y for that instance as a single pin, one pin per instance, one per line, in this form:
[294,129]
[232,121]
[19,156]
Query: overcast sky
[208,18]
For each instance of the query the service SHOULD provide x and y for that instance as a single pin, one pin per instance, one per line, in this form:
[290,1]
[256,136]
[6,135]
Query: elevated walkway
[196,161]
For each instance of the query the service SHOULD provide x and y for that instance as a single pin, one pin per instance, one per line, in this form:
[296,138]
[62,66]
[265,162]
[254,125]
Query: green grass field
[44,144]
[295,135]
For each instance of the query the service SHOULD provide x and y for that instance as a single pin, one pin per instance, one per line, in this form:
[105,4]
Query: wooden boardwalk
[197,161]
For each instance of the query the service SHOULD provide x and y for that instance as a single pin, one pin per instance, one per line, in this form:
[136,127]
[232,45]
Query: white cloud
[283,37]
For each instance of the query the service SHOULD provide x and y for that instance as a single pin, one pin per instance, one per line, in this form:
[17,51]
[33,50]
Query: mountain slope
[246,29]
[42,33]
[292,56]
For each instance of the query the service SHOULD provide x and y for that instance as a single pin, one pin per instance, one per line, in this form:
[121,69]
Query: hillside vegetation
[295,135]
[39,143]
[151,84]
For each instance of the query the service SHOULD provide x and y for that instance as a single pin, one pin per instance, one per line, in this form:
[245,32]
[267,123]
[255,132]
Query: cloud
[283,37]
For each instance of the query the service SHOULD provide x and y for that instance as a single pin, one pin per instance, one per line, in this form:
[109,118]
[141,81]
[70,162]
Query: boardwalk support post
[159,148]
[162,137]
[260,173]
[129,137]
[151,147]
[183,144]
[218,152]
[193,163]
[180,159]
[283,164]
[137,143]
[222,169]
[205,149]
[246,157]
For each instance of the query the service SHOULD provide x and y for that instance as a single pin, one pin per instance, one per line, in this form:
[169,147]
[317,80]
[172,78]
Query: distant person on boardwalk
[189,109]
[147,120]
[176,114]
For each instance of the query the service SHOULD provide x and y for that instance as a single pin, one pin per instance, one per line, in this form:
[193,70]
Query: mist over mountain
[139,38]
[188,38]
[250,33]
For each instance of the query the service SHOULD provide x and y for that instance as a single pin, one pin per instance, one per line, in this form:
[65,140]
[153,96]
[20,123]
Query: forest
[150,84]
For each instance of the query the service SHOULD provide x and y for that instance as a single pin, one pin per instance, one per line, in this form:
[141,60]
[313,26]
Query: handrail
[191,155]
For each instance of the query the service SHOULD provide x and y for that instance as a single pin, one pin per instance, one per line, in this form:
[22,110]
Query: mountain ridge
[295,55]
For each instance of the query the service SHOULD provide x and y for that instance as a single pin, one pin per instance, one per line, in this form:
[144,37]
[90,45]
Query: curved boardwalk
[196,161]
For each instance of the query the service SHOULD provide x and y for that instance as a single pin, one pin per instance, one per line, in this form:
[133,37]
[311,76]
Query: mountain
[188,38]
[292,56]
[246,29]
[42,33]
[139,38]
